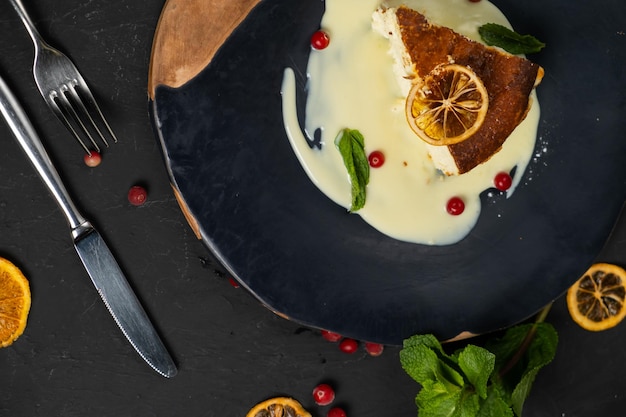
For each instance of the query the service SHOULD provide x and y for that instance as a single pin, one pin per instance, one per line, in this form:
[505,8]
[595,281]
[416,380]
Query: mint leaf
[445,391]
[427,340]
[494,405]
[435,400]
[431,341]
[497,35]
[540,353]
[420,363]
[469,403]
[522,390]
[517,380]
[479,382]
[477,364]
[351,145]
[423,364]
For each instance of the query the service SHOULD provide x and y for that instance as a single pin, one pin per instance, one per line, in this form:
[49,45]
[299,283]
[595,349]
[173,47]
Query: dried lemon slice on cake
[448,105]
[14,302]
[596,300]
[278,407]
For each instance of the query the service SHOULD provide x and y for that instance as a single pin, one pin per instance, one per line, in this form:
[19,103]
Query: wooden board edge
[191,220]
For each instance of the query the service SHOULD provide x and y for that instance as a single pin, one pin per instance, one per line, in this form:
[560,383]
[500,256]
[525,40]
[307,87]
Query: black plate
[306,258]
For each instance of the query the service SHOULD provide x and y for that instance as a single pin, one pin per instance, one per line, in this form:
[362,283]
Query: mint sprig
[351,145]
[494,34]
[479,382]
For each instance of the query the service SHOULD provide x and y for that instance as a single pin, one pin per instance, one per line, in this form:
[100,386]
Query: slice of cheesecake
[419,46]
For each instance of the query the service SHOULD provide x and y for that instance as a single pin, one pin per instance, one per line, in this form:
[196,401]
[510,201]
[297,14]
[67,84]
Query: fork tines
[74,104]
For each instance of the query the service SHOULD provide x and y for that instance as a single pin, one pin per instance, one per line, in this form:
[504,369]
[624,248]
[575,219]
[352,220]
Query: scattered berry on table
[348,345]
[323,394]
[320,40]
[92,160]
[331,336]
[336,412]
[455,206]
[137,195]
[374,349]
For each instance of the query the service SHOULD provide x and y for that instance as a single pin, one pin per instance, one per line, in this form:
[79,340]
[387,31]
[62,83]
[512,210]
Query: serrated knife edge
[103,270]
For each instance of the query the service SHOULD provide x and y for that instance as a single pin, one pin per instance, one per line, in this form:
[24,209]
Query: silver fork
[65,91]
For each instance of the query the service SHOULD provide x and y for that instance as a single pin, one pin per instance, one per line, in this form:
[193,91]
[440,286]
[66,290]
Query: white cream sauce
[351,84]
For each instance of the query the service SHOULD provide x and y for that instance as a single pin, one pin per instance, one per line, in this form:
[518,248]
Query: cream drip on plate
[351,85]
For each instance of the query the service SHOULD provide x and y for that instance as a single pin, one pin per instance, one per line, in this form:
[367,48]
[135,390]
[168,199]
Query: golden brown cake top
[509,80]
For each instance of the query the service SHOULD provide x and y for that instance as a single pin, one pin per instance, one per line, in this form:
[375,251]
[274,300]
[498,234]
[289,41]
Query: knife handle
[25,134]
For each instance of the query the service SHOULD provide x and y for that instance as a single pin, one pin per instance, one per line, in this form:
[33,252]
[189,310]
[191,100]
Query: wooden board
[188,35]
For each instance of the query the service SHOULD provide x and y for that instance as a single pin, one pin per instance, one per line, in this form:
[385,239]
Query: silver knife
[104,271]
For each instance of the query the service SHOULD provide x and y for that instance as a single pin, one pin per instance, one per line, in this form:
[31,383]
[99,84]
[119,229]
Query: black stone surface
[231,351]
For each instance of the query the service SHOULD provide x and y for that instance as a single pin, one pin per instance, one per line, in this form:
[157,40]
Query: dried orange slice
[14,302]
[596,300]
[448,105]
[278,407]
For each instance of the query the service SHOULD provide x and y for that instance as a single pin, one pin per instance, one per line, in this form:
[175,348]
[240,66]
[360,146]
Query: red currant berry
[376,159]
[348,345]
[455,206]
[92,160]
[331,336]
[233,282]
[336,412]
[137,195]
[323,394]
[503,181]
[320,40]
[374,349]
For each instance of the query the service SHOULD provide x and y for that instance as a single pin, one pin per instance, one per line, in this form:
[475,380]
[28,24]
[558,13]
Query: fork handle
[30,26]
[31,144]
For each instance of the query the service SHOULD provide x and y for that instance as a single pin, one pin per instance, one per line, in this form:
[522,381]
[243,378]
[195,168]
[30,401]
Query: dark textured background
[232,352]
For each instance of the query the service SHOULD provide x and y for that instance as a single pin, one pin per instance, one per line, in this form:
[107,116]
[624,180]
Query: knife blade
[96,257]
